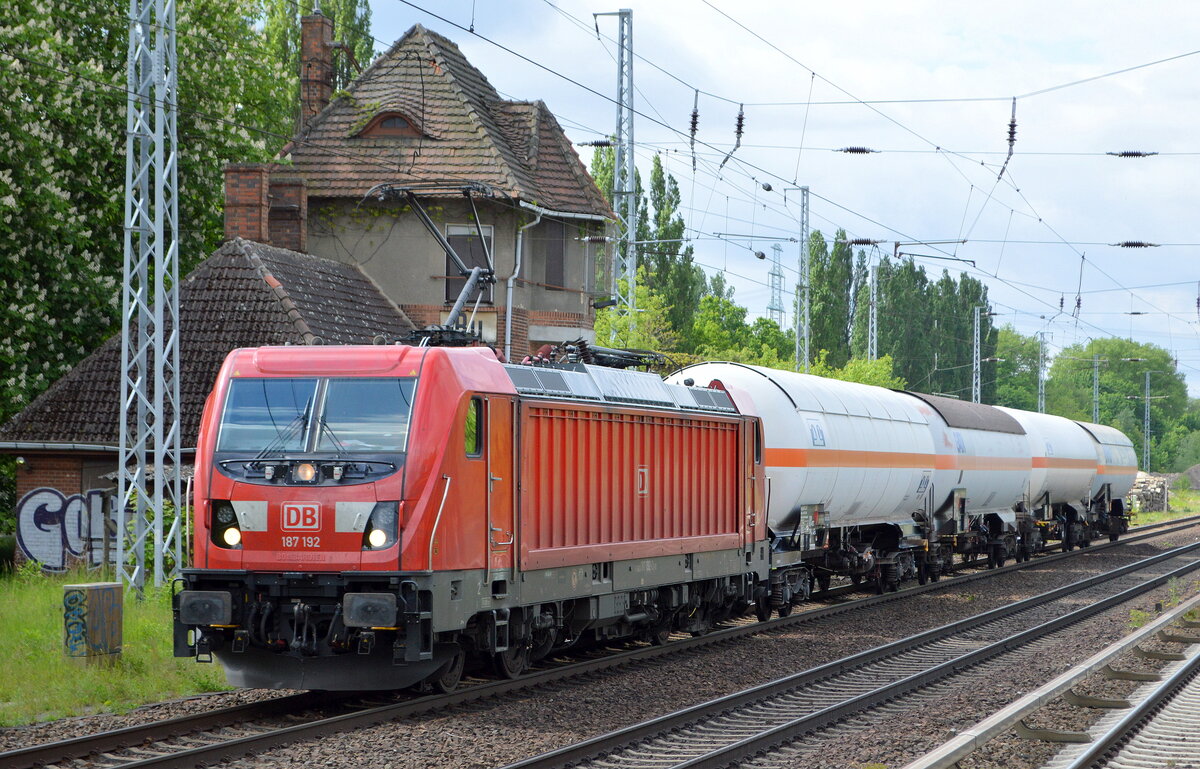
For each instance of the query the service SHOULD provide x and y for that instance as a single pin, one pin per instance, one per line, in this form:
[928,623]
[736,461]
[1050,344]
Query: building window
[554,242]
[464,239]
[390,124]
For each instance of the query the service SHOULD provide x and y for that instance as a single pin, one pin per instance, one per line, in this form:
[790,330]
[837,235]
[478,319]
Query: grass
[39,683]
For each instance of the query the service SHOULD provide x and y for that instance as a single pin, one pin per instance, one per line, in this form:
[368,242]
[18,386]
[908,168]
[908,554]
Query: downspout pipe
[512,279]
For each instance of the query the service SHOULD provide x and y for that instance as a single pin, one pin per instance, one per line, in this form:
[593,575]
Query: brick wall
[556,318]
[57,472]
[289,213]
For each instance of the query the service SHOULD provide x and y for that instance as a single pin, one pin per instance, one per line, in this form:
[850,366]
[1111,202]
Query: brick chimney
[247,201]
[316,66]
[265,209]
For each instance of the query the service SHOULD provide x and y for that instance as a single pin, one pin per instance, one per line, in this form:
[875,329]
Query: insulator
[741,123]
[863,242]
[1134,244]
[596,143]
[857,150]
[1131,154]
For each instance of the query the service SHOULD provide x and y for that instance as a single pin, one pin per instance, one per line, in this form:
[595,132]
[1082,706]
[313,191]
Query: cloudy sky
[927,85]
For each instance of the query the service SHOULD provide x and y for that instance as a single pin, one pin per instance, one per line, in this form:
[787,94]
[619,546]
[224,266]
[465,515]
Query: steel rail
[966,742]
[36,755]
[1181,688]
[769,738]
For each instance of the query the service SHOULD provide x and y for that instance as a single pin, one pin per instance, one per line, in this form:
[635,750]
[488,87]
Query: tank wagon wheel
[855,579]
[785,610]
[1114,533]
[511,662]
[762,608]
[823,582]
[448,677]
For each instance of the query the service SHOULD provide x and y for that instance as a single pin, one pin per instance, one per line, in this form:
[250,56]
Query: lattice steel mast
[624,277]
[802,289]
[775,277]
[149,503]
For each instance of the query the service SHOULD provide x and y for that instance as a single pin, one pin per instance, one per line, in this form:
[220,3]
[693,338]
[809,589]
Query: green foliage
[31,632]
[878,372]
[61,191]
[1139,618]
[647,329]
[1017,372]
[831,275]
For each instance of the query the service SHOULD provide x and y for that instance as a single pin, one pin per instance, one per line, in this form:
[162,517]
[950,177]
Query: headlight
[305,472]
[225,530]
[383,527]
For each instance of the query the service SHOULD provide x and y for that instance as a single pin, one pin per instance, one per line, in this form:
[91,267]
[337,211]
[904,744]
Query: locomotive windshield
[276,415]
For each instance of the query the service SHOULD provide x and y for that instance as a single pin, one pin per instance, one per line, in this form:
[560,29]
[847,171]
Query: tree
[351,25]
[876,372]
[61,181]
[647,329]
[672,271]
[830,274]
[1017,370]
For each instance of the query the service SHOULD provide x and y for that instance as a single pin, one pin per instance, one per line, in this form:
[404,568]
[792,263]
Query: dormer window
[390,124]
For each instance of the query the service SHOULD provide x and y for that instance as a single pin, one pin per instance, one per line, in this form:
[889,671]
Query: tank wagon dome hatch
[579,381]
[970,416]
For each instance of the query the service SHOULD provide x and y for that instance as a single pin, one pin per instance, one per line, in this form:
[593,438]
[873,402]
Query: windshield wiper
[337,443]
[282,438]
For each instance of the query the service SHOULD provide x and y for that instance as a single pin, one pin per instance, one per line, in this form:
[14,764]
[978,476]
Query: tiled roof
[245,295]
[470,134]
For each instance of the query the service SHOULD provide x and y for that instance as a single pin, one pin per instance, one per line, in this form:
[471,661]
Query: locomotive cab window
[272,416]
[473,428]
[758,457]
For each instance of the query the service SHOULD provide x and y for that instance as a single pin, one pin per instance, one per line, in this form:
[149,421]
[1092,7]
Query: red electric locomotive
[372,517]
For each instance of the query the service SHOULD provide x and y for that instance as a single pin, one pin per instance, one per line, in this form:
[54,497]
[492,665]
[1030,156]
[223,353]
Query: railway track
[808,707]
[230,732]
[1154,725]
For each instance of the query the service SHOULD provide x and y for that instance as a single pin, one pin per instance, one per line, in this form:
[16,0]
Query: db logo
[301,516]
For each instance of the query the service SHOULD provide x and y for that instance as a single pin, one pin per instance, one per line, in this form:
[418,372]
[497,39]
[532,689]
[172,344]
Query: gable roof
[469,133]
[246,294]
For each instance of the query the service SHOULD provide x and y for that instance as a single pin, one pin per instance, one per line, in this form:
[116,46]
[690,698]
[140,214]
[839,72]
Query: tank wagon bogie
[377,517]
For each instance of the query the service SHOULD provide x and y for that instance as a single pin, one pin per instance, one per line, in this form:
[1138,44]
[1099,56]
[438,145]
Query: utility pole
[975,361]
[802,289]
[775,279]
[1146,427]
[873,317]
[624,279]
[1095,388]
[148,486]
[1041,401]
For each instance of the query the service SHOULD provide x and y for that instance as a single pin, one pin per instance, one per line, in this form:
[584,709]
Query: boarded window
[464,239]
[554,238]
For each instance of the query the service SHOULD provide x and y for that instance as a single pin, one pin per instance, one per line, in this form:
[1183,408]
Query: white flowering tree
[62,165]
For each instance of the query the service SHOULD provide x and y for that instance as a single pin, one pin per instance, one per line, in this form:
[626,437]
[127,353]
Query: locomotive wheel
[935,575]
[856,579]
[785,610]
[1000,557]
[823,582]
[511,662]
[1113,534]
[922,574]
[447,679]
[762,609]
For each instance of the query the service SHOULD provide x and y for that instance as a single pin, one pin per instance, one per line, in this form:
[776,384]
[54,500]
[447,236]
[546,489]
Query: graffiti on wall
[59,531]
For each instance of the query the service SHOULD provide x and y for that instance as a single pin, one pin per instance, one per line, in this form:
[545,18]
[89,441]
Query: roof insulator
[1134,244]
[863,242]
[856,150]
[1131,154]
[596,143]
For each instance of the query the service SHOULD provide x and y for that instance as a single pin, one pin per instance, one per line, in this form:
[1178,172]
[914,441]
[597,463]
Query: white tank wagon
[1116,470]
[887,485]
[1065,465]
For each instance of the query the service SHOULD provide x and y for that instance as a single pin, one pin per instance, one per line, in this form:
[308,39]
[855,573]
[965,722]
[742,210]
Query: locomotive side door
[501,467]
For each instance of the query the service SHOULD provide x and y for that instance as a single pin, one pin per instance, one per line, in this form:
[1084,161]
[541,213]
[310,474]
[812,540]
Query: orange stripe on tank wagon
[888,459]
[1054,463]
[1116,469]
